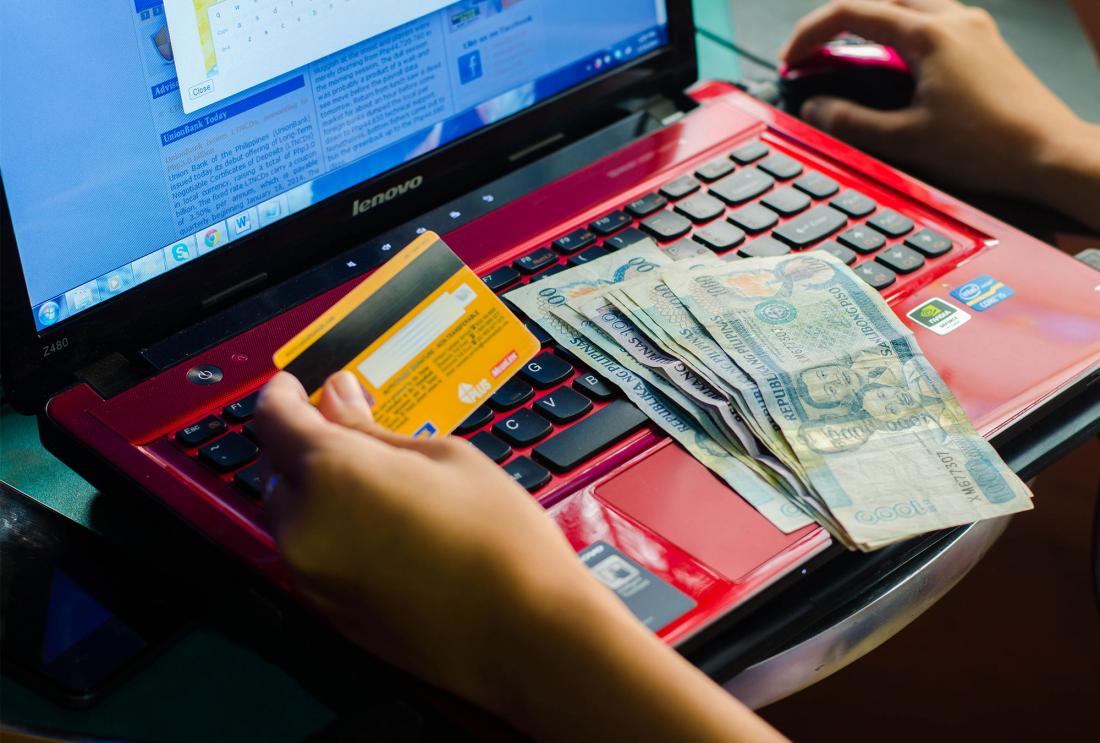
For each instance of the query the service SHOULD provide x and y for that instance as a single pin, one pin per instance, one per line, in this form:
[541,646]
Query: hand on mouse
[979,120]
[427,554]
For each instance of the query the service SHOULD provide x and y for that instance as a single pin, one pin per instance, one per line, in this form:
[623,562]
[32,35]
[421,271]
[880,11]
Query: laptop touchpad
[680,499]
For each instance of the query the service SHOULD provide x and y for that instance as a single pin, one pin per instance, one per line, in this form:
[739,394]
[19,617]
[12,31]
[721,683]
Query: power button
[205,374]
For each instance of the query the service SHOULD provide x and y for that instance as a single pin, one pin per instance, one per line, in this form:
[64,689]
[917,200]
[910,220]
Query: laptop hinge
[661,109]
[111,374]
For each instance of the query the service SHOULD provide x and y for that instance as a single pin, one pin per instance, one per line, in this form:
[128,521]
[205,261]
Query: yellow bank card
[427,339]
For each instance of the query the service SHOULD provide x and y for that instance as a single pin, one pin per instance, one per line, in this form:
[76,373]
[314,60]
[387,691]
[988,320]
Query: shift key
[809,228]
[590,436]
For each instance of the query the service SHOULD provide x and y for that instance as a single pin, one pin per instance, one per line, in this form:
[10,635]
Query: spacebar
[590,436]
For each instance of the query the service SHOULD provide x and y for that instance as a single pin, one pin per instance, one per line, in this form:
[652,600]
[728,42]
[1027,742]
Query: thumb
[344,401]
[881,132]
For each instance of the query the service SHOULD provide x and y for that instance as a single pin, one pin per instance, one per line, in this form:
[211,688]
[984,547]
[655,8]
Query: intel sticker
[655,603]
[938,316]
[982,293]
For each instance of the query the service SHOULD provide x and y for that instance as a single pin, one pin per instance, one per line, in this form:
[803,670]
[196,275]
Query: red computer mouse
[853,68]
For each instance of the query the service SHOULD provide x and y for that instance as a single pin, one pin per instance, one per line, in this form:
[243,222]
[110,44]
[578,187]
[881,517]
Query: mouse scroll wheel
[848,40]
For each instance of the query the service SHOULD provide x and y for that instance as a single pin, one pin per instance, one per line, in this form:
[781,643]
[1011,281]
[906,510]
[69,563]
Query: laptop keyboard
[556,414]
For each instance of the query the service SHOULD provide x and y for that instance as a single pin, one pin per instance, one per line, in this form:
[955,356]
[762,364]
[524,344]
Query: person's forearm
[591,671]
[1067,173]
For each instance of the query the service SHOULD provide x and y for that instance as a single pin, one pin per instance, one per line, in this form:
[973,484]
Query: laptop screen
[139,135]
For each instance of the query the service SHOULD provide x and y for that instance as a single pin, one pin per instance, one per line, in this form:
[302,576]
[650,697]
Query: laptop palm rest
[680,499]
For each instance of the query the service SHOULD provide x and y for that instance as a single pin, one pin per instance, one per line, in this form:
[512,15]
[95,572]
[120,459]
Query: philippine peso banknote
[547,302]
[883,441]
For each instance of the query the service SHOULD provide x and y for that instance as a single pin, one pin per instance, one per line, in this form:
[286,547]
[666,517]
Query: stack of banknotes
[789,378]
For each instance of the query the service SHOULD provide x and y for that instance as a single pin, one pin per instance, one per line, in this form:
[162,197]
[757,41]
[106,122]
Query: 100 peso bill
[548,302]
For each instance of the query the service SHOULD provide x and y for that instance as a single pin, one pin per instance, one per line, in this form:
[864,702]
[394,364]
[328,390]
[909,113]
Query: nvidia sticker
[938,316]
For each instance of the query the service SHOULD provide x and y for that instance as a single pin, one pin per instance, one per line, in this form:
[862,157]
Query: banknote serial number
[957,472]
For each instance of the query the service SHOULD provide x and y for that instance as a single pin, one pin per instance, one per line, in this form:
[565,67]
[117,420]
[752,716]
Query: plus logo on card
[471,393]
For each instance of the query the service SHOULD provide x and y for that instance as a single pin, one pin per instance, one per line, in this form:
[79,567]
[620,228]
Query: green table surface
[233,685]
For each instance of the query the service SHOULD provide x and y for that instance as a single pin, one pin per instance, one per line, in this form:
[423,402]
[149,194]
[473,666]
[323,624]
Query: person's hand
[419,550]
[979,120]
[427,554]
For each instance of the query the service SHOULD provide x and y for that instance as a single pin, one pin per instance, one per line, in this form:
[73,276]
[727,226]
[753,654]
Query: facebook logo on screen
[469,67]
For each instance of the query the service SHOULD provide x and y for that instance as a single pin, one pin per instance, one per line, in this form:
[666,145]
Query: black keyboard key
[522,428]
[875,274]
[549,272]
[720,236]
[780,166]
[701,208]
[563,405]
[541,335]
[754,218]
[501,279]
[249,430]
[763,247]
[890,223]
[625,239]
[242,410]
[685,249]
[862,239]
[749,153]
[589,437]
[838,250]
[649,203]
[901,259]
[576,240]
[249,480]
[786,201]
[741,187]
[491,446]
[201,432]
[680,187]
[929,242]
[610,223]
[666,225]
[854,204]
[546,370]
[512,393]
[809,228]
[528,474]
[229,452]
[714,170]
[477,419]
[594,387]
[566,354]
[589,254]
[536,261]
[817,185]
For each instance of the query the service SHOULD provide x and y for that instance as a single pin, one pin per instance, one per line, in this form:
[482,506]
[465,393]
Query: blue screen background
[109,183]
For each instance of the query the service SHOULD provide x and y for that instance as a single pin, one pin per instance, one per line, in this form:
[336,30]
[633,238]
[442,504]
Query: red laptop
[192,183]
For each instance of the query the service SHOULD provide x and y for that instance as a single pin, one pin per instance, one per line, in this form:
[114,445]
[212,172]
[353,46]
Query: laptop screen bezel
[37,363]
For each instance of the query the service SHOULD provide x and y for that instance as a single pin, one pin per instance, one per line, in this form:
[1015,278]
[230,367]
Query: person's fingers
[887,23]
[344,401]
[288,424]
[927,6]
[881,132]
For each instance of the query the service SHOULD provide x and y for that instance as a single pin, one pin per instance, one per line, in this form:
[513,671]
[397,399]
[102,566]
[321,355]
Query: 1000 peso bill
[883,441]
